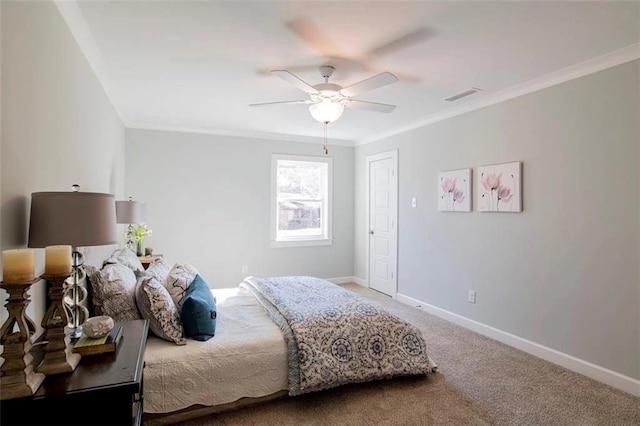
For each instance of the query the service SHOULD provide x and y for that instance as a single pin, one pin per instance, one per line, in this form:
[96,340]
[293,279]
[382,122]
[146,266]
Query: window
[300,200]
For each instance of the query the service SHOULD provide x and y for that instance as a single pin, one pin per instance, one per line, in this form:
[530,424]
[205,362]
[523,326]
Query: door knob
[370,232]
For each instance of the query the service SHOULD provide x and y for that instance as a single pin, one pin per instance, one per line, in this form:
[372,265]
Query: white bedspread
[246,358]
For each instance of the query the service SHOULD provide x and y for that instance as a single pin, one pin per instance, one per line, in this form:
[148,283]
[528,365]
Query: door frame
[393,154]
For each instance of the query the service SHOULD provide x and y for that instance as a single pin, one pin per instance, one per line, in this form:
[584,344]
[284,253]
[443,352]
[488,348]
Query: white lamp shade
[131,211]
[326,111]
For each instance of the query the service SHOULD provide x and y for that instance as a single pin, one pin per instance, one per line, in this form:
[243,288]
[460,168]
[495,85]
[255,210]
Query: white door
[383,222]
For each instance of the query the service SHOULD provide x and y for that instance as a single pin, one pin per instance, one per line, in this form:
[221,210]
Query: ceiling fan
[328,100]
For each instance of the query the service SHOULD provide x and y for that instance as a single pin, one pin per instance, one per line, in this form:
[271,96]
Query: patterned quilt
[335,336]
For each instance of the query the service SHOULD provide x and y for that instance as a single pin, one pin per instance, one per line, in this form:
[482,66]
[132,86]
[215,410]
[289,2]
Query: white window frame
[327,217]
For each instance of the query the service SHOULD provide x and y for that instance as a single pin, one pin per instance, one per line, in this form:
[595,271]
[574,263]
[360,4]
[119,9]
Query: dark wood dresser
[104,389]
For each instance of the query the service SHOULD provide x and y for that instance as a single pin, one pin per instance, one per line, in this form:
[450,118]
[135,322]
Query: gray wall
[209,205]
[58,126]
[564,272]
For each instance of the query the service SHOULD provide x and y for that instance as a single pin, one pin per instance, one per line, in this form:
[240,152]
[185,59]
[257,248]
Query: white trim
[73,17]
[238,133]
[348,280]
[327,212]
[617,57]
[340,280]
[368,160]
[360,282]
[301,243]
[596,372]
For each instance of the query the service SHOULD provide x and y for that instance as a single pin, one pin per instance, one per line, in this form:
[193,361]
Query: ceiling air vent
[463,94]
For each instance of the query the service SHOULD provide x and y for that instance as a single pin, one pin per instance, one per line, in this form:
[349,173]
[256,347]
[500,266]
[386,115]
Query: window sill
[301,243]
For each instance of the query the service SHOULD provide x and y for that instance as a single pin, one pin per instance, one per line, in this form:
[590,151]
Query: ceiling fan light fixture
[326,111]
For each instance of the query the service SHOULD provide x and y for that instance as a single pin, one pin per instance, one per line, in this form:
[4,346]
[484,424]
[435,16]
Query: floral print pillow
[155,304]
[178,280]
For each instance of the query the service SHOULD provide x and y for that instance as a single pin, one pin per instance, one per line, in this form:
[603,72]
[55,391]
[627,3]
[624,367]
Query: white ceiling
[196,66]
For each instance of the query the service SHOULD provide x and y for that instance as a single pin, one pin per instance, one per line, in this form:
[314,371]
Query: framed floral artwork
[500,187]
[454,191]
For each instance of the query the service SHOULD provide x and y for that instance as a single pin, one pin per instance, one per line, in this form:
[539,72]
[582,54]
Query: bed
[274,337]
[246,360]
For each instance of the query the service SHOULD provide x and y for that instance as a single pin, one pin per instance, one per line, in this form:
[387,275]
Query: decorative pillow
[125,256]
[178,280]
[199,312]
[159,269]
[156,305]
[113,291]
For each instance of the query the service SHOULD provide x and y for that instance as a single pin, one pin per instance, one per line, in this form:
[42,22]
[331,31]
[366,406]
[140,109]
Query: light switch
[414,202]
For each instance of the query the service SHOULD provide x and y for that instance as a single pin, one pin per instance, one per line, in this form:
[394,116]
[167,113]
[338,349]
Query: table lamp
[78,219]
[130,212]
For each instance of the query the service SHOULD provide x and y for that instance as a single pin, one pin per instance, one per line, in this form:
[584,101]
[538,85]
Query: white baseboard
[601,374]
[359,281]
[340,280]
[345,280]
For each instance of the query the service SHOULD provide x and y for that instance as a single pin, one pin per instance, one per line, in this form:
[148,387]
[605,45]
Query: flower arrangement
[138,233]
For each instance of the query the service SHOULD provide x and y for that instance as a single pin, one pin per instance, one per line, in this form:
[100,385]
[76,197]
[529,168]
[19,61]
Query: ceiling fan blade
[371,106]
[410,39]
[369,84]
[313,36]
[282,103]
[295,80]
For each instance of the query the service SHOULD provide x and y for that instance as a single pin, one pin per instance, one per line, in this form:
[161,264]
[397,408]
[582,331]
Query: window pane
[299,179]
[304,217]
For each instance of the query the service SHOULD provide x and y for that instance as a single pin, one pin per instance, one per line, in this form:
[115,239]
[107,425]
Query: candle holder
[58,352]
[17,378]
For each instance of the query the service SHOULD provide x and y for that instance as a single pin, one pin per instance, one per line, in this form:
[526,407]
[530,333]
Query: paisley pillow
[113,292]
[155,304]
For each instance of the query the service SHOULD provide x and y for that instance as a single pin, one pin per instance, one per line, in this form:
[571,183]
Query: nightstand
[148,260]
[107,386]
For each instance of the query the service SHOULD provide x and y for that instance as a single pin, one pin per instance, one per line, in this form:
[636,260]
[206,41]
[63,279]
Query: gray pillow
[125,256]
[113,292]
[156,305]
[159,269]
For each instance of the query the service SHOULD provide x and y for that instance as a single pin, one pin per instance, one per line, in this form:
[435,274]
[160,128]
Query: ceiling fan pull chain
[326,150]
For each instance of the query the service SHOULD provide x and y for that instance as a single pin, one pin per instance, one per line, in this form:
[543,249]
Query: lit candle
[57,260]
[18,266]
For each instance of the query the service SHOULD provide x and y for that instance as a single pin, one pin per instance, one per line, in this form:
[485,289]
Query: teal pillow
[198,313]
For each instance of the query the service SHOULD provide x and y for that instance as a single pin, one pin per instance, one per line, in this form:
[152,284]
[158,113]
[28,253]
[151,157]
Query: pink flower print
[504,194]
[458,195]
[448,184]
[491,181]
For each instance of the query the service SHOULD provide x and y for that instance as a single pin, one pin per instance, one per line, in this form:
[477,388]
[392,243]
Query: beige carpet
[479,382]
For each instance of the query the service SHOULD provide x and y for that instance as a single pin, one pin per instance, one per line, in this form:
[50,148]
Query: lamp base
[75,294]
[75,333]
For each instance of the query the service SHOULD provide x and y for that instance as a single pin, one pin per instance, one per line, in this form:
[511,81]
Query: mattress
[246,358]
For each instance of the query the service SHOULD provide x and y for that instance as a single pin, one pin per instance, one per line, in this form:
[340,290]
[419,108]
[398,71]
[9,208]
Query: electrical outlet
[472,296]
[414,202]
[245,269]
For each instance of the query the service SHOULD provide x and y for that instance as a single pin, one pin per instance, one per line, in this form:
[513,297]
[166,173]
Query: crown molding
[617,57]
[239,134]
[73,17]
